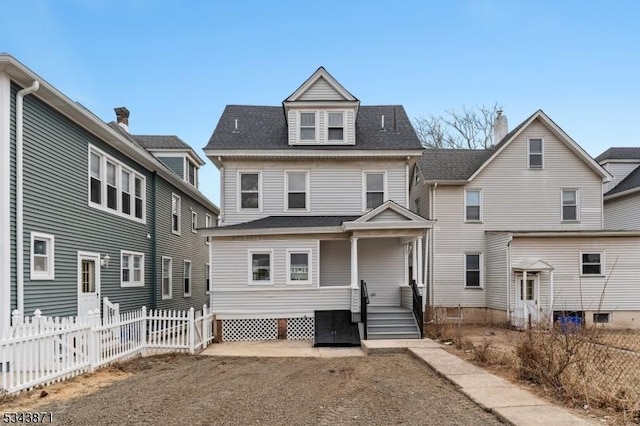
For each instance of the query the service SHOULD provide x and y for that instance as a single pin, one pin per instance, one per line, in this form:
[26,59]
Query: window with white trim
[536,153]
[176,212]
[591,264]
[307,126]
[374,185]
[207,278]
[335,126]
[187,278]
[570,205]
[472,205]
[298,266]
[194,222]
[208,223]
[473,270]
[42,256]
[167,277]
[132,269]
[260,267]
[297,184]
[111,185]
[249,190]
[416,175]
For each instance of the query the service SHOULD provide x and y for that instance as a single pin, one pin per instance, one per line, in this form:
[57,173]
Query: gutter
[20,192]
[432,252]
[509,277]
[154,242]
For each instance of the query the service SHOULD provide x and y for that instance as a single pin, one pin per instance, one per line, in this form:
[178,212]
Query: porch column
[523,291]
[355,287]
[550,297]
[426,266]
[414,261]
[419,257]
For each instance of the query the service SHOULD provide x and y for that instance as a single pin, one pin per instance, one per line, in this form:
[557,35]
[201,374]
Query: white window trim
[50,274]
[416,175]
[250,254]
[207,276]
[185,171]
[184,270]
[310,266]
[344,127]
[103,186]
[307,185]
[481,264]
[299,139]
[208,222]
[194,222]
[132,283]
[602,264]
[179,204]
[577,219]
[529,154]
[239,191]
[467,220]
[385,196]
[162,277]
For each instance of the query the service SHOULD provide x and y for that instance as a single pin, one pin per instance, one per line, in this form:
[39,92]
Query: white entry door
[88,282]
[527,299]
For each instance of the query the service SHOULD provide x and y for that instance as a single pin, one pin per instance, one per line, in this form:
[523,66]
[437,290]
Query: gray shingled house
[315,230]
[521,233]
[88,210]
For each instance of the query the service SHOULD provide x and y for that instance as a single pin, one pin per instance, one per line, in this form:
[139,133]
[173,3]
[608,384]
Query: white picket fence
[40,350]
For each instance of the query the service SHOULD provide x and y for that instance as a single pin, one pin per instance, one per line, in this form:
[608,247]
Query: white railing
[41,350]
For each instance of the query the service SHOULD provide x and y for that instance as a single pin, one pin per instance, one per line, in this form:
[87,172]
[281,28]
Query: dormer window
[192,173]
[335,126]
[307,126]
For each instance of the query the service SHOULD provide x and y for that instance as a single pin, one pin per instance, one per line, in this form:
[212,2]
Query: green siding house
[88,210]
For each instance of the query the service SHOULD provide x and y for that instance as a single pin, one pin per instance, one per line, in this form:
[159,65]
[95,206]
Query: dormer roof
[321,86]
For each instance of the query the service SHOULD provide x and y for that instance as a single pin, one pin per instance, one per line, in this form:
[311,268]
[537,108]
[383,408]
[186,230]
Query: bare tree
[471,128]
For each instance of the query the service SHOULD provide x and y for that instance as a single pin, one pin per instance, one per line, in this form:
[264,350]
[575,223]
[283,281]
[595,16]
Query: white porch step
[393,335]
[391,322]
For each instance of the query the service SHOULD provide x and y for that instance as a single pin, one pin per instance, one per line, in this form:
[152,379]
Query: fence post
[192,329]
[143,332]
[205,327]
[93,320]
[16,318]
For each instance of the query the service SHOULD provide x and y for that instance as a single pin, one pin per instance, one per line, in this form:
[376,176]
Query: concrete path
[509,402]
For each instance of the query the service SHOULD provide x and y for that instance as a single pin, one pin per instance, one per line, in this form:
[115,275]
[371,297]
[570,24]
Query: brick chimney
[122,117]
[500,127]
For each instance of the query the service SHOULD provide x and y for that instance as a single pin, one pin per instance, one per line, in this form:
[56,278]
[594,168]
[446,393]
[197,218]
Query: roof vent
[122,117]
[235,126]
[382,129]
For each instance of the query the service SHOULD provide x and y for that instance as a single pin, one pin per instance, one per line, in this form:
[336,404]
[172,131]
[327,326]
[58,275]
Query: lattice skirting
[250,329]
[301,328]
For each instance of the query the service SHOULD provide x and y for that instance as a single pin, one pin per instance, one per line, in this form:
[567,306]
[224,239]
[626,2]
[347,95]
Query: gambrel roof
[461,165]
[265,127]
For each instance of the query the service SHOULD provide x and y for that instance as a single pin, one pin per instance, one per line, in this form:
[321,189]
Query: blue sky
[175,67]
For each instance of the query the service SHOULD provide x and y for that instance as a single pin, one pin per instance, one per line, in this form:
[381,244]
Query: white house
[622,194]
[519,232]
[314,202]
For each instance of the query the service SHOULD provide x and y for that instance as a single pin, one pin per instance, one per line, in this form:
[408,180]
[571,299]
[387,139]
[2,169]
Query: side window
[473,270]
[297,190]
[176,209]
[536,153]
[374,183]
[42,257]
[473,205]
[570,205]
[249,191]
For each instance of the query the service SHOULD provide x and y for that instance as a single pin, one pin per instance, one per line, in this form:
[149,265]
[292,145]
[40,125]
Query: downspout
[432,252]
[221,216]
[154,241]
[20,193]
[406,179]
[509,277]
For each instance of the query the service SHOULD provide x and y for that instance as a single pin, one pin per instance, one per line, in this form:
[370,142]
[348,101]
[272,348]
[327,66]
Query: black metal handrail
[364,301]
[417,307]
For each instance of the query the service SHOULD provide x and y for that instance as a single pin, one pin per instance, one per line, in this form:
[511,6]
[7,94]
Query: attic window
[536,154]
[307,126]
[335,128]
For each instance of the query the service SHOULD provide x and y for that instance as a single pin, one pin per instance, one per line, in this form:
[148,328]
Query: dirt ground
[198,390]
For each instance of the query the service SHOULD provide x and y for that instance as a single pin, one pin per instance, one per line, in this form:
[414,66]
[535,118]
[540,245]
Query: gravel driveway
[198,390]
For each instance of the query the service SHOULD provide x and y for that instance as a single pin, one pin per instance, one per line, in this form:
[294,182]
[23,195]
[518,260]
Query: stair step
[393,335]
[390,316]
[384,321]
[408,328]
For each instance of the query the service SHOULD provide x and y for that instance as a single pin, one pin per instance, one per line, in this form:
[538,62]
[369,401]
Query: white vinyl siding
[186,279]
[42,256]
[176,214]
[324,177]
[110,187]
[321,90]
[335,263]
[131,269]
[381,262]
[167,277]
[496,268]
[619,171]
[622,213]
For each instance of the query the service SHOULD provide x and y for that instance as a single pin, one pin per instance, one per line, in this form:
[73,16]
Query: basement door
[88,282]
[527,299]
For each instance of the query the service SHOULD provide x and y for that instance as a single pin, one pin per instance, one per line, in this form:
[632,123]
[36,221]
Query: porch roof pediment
[388,215]
[532,265]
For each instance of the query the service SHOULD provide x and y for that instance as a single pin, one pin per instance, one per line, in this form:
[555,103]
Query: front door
[88,282]
[527,299]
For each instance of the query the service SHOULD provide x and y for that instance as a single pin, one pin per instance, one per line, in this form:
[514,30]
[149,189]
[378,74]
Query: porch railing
[364,301]
[417,307]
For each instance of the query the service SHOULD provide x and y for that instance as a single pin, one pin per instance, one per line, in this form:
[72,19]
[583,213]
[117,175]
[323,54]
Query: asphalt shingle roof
[161,142]
[291,222]
[622,153]
[265,127]
[631,181]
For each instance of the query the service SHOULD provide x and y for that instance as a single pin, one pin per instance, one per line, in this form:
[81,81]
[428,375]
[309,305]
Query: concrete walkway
[509,402]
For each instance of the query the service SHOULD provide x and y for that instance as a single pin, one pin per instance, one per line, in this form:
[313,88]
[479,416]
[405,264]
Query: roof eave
[622,193]
[221,232]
